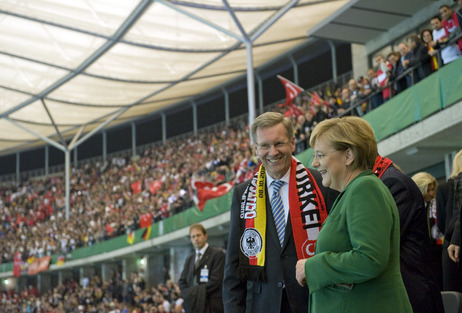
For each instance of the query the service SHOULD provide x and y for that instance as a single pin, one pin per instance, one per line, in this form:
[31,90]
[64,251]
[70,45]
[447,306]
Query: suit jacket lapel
[192,271]
[288,231]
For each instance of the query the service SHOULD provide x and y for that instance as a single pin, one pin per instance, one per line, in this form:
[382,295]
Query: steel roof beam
[199,19]
[63,142]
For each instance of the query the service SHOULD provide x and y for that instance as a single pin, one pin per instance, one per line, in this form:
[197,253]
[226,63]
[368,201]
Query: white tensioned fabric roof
[69,67]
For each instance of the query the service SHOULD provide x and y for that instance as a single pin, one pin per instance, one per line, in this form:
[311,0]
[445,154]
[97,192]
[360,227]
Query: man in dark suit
[202,276]
[275,219]
[418,278]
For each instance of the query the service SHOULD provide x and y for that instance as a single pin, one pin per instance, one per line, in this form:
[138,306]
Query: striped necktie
[198,259]
[278,210]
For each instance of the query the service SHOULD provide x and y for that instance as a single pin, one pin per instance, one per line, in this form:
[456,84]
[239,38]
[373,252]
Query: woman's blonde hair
[457,164]
[349,132]
[423,180]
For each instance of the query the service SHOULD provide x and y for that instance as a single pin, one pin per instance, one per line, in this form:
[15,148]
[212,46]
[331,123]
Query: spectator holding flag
[292,91]
[384,68]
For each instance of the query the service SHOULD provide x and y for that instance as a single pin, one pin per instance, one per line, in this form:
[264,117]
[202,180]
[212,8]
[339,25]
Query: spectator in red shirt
[451,23]
[377,98]
[382,78]
[459,12]
[449,53]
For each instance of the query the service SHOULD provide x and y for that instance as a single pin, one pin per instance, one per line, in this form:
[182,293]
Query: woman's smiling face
[331,164]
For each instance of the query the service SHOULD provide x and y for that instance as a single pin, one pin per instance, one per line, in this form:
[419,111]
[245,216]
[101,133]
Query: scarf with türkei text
[307,214]
[381,164]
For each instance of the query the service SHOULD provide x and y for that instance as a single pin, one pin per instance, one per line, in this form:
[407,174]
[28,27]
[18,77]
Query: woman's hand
[300,272]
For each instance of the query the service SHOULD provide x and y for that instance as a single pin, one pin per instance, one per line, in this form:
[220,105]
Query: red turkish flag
[316,99]
[109,229]
[136,187]
[145,220]
[292,90]
[206,190]
[155,185]
[293,110]
[17,264]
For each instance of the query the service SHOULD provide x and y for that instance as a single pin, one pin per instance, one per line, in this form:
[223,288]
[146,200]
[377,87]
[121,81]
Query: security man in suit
[202,277]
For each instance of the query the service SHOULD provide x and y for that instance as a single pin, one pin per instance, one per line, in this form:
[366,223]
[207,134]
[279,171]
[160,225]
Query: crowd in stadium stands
[418,57]
[92,295]
[107,198]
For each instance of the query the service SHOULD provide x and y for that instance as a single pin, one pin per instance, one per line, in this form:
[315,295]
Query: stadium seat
[452,301]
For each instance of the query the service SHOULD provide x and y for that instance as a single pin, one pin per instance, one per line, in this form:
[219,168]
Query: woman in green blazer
[356,263]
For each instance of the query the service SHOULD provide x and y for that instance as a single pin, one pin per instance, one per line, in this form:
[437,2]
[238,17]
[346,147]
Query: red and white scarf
[381,164]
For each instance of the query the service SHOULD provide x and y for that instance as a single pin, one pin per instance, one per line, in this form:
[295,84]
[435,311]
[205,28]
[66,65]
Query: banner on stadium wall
[39,265]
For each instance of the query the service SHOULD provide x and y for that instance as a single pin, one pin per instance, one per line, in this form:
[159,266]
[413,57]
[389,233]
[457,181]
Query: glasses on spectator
[320,156]
[276,145]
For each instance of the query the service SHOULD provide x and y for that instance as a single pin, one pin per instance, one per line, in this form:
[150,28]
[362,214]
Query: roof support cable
[30,131]
[238,24]
[61,139]
[200,19]
[273,19]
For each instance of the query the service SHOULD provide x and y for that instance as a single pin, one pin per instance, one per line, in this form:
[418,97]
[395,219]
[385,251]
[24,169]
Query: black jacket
[203,297]
[420,56]
[418,278]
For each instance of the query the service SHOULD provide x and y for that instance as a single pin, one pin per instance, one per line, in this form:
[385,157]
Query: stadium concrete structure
[82,70]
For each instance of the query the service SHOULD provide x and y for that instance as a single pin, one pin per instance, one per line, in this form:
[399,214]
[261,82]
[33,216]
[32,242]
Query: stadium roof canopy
[70,68]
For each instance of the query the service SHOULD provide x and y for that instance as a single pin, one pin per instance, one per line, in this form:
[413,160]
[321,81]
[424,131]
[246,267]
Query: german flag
[60,260]
[131,237]
[147,233]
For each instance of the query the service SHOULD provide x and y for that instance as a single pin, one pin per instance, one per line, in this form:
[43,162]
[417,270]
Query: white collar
[202,251]
[284,178]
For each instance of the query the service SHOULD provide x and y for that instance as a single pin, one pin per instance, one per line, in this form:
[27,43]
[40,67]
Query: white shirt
[284,191]
[450,53]
[202,251]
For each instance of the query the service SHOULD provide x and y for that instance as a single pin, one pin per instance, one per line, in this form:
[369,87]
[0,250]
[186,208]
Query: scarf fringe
[253,273]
